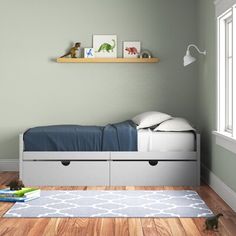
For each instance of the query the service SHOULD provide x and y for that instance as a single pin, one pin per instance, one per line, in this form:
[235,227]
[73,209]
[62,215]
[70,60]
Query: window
[226,73]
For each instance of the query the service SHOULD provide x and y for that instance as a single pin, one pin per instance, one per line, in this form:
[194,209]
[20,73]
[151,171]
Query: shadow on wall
[54,59]
[11,140]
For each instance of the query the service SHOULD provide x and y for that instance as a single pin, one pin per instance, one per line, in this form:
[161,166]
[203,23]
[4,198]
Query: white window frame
[228,99]
[225,135]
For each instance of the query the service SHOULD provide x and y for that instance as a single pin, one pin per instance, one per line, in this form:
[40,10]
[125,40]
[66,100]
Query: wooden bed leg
[21,149]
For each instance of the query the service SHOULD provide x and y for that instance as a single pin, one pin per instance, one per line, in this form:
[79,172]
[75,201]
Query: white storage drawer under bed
[142,173]
[66,173]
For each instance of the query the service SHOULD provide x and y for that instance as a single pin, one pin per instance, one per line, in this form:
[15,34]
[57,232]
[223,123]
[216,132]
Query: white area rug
[106,203]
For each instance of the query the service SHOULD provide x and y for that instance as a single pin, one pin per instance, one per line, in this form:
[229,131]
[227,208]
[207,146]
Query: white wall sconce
[188,58]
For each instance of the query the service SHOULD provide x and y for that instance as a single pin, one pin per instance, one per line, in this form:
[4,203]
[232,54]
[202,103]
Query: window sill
[226,141]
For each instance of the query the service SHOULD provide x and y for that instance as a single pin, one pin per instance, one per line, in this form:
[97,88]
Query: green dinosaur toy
[212,222]
[107,47]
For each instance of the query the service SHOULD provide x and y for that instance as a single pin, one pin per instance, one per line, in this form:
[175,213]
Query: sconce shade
[188,58]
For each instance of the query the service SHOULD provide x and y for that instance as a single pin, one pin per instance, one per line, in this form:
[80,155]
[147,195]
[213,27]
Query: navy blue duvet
[113,137]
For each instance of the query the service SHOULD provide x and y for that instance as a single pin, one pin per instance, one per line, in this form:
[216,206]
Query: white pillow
[149,119]
[174,124]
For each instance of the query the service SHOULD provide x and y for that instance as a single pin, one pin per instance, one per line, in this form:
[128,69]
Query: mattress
[149,141]
[86,138]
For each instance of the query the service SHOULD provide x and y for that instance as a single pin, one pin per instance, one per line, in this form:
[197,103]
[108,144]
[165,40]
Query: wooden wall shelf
[108,60]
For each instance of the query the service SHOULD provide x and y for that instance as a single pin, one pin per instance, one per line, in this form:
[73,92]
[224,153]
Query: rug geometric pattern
[104,203]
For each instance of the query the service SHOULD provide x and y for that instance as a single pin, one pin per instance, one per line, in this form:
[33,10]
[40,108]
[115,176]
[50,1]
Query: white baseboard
[9,164]
[223,190]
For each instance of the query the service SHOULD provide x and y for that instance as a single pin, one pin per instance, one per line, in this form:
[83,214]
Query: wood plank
[135,227]
[94,226]
[162,227]
[108,60]
[39,227]
[174,226]
[149,227]
[189,227]
[7,177]
[72,226]
[121,227]
[52,227]
[23,226]
[18,227]
[7,227]
[107,227]
[4,207]
[130,187]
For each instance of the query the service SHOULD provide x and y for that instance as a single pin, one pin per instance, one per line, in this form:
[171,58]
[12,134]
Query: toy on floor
[212,222]
[16,184]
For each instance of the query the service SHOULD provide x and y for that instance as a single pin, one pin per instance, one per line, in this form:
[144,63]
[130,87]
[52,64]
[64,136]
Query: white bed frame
[110,168]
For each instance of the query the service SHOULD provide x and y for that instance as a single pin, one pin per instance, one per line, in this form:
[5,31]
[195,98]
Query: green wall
[34,90]
[220,161]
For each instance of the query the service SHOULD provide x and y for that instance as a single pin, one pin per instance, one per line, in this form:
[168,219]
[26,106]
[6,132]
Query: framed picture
[131,49]
[89,53]
[105,46]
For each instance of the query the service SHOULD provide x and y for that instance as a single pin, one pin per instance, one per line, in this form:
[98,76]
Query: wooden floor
[118,226]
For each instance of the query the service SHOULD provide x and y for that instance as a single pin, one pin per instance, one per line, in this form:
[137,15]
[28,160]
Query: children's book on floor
[23,195]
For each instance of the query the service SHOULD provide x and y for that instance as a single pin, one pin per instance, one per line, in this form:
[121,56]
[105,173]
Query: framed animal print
[131,49]
[105,46]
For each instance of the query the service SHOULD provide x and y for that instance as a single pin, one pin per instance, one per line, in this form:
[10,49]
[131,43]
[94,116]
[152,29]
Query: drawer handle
[153,163]
[65,163]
